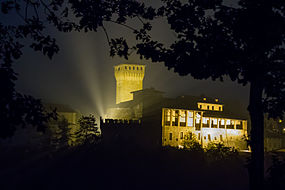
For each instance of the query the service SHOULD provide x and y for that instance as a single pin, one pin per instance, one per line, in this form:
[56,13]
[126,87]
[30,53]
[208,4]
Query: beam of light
[88,70]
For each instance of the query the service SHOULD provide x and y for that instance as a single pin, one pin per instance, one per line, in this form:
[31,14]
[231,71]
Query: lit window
[182,116]
[175,118]
[215,122]
[204,99]
[228,122]
[189,119]
[167,117]
[222,122]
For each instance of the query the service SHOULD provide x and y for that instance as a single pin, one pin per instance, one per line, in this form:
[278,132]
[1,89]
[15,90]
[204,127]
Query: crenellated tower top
[129,78]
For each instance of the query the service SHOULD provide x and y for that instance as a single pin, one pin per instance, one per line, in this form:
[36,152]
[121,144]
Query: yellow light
[216,99]
[204,99]
[280,120]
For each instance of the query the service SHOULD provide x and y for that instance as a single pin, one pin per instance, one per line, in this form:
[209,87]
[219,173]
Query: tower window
[126,67]
[170,136]
[130,68]
[133,68]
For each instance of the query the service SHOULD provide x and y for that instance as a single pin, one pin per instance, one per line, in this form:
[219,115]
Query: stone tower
[129,78]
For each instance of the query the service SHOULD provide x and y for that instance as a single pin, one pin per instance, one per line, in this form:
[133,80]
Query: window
[213,108]
[220,108]
[175,118]
[208,107]
[200,106]
[182,118]
[130,68]
[181,135]
[206,122]
[215,138]
[239,125]
[141,68]
[118,68]
[221,137]
[170,136]
[209,137]
[126,67]
[189,118]
[167,117]
[214,123]
[199,136]
[230,124]
[133,68]
[222,123]
[204,137]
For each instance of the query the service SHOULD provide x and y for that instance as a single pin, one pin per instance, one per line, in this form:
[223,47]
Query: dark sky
[81,75]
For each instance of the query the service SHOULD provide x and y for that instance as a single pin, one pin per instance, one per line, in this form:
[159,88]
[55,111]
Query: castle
[154,120]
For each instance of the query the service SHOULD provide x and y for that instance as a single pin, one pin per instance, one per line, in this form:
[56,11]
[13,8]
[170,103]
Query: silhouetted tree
[23,25]
[243,41]
[17,109]
[88,131]
[59,133]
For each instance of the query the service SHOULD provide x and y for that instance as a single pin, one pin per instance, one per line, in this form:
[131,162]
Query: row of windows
[182,136]
[187,119]
[212,107]
[130,68]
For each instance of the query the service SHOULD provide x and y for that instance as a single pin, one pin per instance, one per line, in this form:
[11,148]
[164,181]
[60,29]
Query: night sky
[81,74]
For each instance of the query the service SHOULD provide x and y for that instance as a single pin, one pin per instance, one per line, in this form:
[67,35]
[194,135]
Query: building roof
[129,64]
[147,91]
[222,114]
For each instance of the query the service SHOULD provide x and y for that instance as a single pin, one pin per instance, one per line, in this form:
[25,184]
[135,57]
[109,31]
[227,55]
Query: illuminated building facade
[163,121]
[205,125]
[129,78]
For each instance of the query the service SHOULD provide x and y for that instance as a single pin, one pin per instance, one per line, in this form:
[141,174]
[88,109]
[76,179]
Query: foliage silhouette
[219,152]
[191,143]
[87,133]
[276,174]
